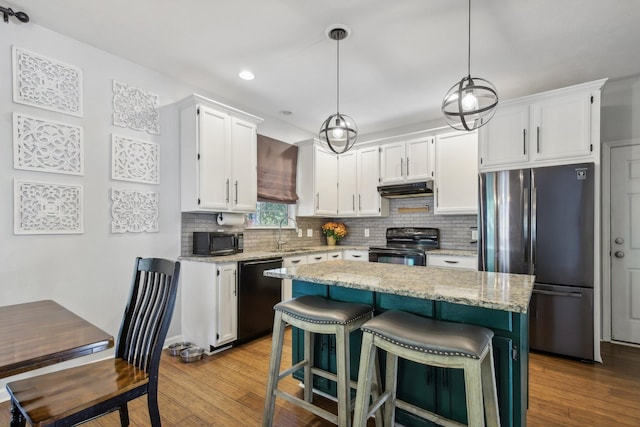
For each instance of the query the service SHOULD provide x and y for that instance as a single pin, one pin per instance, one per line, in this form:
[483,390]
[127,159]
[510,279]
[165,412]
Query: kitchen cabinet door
[227,284]
[392,158]
[291,261]
[562,127]
[369,200]
[213,167]
[347,183]
[505,139]
[417,164]
[326,182]
[244,191]
[456,167]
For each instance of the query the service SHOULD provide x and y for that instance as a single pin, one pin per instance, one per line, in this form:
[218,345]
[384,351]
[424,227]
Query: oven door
[398,256]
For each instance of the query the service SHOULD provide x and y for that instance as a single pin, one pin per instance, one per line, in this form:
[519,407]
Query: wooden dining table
[41,333]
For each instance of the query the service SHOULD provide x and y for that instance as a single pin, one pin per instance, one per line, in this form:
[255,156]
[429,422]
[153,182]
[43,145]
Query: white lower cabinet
[209,303]
[355,255]
[290,261]
[452,261]
[227,285]
[334,255]
[313,258]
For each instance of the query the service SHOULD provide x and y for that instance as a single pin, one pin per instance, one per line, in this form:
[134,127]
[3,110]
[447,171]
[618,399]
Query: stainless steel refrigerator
[541,221]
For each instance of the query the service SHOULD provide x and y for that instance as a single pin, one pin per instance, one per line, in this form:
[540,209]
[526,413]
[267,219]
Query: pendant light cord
[338,77]
[469,43]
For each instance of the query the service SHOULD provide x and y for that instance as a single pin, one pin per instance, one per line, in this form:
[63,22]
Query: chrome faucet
[280,242]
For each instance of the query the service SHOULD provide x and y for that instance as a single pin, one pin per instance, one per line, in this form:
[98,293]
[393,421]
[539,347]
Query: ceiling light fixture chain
[339,131]
[471,102]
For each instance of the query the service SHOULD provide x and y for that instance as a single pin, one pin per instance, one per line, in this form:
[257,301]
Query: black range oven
[407,246]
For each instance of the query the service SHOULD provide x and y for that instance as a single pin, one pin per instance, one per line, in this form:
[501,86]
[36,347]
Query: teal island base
[436,389]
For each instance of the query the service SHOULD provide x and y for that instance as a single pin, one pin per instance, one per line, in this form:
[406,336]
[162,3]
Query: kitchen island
[498,301]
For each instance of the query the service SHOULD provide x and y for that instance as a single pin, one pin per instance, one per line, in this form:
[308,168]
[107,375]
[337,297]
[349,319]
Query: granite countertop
[499,291]
[257,255]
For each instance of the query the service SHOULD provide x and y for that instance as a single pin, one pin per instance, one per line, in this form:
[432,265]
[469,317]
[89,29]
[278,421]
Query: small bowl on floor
[192,354]
[177,348]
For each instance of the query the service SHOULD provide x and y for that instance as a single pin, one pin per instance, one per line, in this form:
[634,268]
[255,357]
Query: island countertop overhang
[498,291]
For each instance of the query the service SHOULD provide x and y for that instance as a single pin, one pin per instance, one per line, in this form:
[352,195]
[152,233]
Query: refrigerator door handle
[534,223]
[525,228]
[558,294]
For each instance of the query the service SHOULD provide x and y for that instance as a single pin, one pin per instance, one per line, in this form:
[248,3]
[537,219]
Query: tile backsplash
[455,230]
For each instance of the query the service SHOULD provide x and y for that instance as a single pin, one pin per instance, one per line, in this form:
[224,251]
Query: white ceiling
[401,58]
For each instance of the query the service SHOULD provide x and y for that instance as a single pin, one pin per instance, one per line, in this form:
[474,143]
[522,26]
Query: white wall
[89,273]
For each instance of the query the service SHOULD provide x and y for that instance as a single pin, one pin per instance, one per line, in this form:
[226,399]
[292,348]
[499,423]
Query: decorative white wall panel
[47,208]
[47,146]
[46,83]
[135,108]
[134,211]
[134,160]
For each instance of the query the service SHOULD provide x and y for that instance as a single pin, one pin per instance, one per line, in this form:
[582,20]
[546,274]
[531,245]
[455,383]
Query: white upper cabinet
[325,172]
[347,183]
[369,202]
[557,127]
[418,162]
[562,126]
[338,185]
[406,161]
[456,169]
[218,163]
[505,139]
[317,180]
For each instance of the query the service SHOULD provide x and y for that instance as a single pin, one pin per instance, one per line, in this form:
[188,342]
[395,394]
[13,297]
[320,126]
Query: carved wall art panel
[46,83]
[135,108]
[47,146]
[134,211]
[133,160]
[47,208]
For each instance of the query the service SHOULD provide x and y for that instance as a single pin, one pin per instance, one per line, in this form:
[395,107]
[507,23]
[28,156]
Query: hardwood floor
[227,389]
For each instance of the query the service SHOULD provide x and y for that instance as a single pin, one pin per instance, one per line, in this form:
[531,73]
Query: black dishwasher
[257,294]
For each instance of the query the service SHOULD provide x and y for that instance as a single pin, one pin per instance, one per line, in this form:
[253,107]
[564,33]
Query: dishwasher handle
[261,261]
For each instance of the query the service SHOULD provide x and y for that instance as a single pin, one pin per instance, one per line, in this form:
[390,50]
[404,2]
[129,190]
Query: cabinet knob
[619,254]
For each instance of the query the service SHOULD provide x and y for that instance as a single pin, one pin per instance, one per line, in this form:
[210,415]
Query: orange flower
[337,230]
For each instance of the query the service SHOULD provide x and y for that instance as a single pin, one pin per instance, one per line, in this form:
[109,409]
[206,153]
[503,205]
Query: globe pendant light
[471,102]
[339,131]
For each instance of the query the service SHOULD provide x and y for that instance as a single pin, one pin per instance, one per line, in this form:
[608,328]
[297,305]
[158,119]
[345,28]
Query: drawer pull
[448,261]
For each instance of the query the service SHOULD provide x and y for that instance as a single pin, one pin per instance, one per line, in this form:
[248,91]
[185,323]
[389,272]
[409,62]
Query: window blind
[277,163]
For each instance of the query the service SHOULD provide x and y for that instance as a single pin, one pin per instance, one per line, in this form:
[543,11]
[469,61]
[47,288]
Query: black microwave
[215,243]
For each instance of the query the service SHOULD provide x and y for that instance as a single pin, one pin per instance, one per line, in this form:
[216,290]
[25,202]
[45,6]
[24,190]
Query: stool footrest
[428,415]
[375,405]
[292,369]
[329,416]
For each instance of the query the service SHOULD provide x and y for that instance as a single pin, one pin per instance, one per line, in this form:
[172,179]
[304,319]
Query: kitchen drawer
[355,255]
[452,261]
[293,261]
[333,255]
[312,259]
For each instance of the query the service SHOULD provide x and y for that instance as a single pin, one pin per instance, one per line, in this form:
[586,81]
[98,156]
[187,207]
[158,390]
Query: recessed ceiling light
[246,75]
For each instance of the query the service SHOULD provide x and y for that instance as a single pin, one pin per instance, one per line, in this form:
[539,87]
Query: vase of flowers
[334,231]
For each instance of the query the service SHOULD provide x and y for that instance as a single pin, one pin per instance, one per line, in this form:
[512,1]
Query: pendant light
[471,102]
[339,131]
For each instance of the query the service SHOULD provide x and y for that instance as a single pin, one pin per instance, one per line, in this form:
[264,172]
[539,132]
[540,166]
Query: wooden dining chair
[74,395]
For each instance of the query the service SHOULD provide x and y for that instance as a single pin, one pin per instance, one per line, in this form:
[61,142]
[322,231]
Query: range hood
[414,189]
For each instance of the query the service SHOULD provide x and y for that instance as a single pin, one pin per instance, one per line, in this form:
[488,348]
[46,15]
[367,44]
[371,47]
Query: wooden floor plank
[227,390]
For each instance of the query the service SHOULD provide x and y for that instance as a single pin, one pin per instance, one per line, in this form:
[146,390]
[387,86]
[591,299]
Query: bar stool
[430,342]
[314,314]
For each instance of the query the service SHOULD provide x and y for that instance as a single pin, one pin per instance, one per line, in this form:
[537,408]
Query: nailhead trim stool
[314,314]
[430,342]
